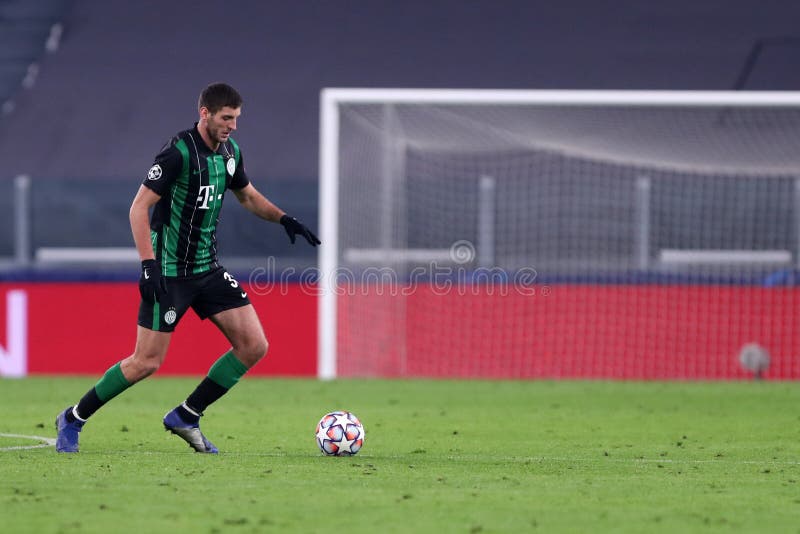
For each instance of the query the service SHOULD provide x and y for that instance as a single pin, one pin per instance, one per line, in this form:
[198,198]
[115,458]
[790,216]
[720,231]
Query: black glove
[152,285]
[294,227]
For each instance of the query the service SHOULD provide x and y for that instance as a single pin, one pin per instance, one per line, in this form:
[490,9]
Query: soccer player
[185,187]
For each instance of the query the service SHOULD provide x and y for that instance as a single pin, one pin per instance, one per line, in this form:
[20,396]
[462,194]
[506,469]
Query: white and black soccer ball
[340,434]
[754,358]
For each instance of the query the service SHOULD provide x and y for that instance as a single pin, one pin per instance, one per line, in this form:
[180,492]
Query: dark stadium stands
[24,31]
[127,75]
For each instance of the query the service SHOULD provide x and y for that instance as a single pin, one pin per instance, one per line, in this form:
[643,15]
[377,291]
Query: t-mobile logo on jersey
[206,194]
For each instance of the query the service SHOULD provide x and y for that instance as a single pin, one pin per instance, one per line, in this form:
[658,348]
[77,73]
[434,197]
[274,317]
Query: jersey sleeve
[166,168]
[239,178]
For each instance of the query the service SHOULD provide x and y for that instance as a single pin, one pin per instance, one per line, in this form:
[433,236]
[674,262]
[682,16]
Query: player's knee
[254,350]
[149,367]
[250,348]
[140,366]
[149,364]
[259,348]
[149,359]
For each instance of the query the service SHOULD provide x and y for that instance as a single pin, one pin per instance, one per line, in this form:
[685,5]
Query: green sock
[112,384]
[227,370]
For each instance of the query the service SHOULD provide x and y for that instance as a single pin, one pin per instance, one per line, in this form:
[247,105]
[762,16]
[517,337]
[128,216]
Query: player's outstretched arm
[258,204]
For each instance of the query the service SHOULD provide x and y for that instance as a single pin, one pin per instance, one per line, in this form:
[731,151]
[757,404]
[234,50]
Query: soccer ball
[340,434]
[754,358]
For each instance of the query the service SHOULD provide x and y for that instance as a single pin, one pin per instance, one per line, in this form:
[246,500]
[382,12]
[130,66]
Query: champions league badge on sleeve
[154,173]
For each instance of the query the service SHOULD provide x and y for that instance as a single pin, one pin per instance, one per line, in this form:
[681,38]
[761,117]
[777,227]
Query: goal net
[580,234]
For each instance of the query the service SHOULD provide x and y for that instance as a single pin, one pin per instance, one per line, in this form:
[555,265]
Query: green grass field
[440,456]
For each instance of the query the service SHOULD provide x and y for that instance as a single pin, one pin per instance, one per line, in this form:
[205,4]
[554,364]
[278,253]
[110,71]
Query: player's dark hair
[218,95]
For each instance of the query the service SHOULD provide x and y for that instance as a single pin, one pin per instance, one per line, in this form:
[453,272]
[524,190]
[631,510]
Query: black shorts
[207,294]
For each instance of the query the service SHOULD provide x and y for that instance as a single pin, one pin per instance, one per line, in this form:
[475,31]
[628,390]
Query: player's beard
[215,133]
[219,135]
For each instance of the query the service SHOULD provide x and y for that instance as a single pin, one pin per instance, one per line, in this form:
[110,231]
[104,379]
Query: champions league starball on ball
[339,434]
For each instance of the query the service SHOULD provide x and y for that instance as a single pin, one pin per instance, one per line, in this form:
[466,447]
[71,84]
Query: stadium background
[85,122]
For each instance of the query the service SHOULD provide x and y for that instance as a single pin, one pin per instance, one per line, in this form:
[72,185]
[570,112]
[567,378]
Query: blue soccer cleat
[67,433]
[189,432]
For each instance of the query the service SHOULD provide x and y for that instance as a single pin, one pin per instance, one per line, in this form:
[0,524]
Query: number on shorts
[230,279]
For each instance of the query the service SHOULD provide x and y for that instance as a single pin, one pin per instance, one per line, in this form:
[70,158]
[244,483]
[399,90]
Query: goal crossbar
[333,96]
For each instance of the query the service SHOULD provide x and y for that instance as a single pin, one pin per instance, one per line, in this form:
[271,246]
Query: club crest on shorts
[231,166]
[154,173]
[170,316]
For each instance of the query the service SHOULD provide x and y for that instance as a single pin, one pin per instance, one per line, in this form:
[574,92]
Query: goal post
[607,199]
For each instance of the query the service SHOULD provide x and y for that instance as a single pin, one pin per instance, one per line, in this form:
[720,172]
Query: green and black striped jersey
[191,180]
